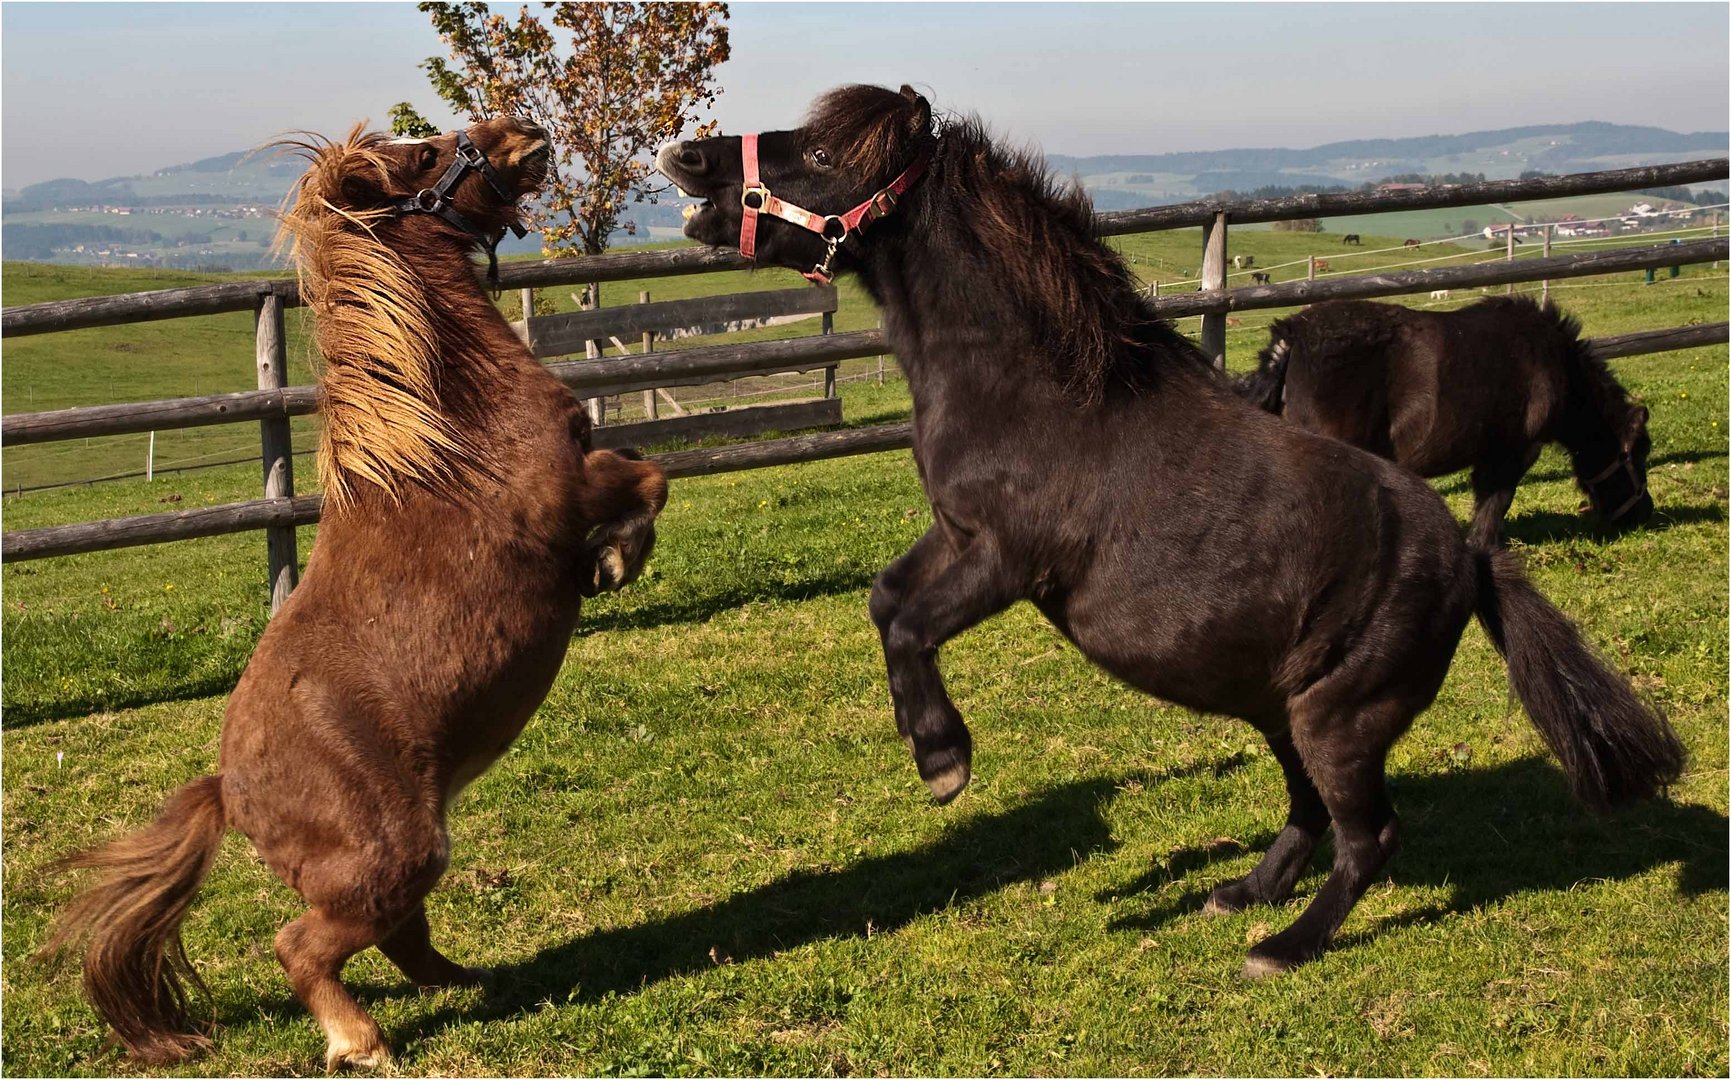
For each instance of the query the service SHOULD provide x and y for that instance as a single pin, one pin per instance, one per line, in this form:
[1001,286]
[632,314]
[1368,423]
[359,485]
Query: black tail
[1265,387]
[135,969]
[1613,747]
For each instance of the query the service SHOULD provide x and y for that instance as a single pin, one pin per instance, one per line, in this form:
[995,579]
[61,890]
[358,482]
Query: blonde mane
[379,391]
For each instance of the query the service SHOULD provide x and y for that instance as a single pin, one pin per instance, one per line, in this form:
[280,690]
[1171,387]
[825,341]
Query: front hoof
[948,783]
[1271,956]
[364,1057]
[1229,897]
[609,569]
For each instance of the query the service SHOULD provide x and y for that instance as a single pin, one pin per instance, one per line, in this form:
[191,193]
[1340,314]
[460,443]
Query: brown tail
[135,966]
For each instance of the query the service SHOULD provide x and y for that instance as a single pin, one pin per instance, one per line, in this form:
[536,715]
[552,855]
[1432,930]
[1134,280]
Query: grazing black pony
[1352,238]
[1484,387]
[1080,454]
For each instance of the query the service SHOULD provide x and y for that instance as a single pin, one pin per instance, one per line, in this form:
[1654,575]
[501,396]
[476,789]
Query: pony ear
[1637,426]
[920,121]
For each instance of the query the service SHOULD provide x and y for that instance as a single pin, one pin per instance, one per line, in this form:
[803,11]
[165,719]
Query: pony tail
[135,967]
[1265,387]
[1613,748]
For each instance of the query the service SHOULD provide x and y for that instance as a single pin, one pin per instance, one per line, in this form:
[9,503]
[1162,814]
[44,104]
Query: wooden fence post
[277,450]
[1310,268]
[589,299]
[828,372]
[1213,280]
[1509,242]
[527,298]
[1545,285]
[650,408]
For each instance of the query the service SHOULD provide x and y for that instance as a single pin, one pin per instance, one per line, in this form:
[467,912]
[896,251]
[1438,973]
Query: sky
[93,90]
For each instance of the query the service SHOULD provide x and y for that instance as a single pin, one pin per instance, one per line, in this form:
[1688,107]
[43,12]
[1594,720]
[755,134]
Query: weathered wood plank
[90,421]
[714,363]
[141,307]
[276,450]
[158,528]
[1651,341]
[818,447]
[1340,204]
[1360,286]
[562,335]
[736,423]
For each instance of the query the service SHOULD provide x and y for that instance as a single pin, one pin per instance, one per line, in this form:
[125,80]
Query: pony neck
[1595,413]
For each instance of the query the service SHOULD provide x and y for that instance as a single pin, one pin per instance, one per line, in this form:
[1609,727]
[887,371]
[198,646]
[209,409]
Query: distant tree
[1309,224]
[1469,226]
[610,80]
[410,124]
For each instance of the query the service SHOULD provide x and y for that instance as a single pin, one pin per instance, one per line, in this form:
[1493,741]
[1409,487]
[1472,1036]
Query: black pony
[1080,454]
[1485,388]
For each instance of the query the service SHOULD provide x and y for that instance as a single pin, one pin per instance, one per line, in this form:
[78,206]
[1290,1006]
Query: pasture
[708,853]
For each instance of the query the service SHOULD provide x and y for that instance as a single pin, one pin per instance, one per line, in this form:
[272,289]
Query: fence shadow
[700,604]
[1485,835]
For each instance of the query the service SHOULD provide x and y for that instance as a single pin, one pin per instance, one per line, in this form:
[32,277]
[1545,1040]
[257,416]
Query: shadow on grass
[30,711]
[1462,482]
[1545,526]
[1487,834]
[700,605]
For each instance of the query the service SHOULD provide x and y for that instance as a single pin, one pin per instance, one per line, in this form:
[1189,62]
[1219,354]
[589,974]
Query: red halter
[834,228]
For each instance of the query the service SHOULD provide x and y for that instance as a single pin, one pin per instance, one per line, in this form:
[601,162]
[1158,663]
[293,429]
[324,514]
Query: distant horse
[1080,454]
[1352,238]
[1260,278]
[438,602]
[1484,387]
[1243,262]
[1322,266]
[1410,244]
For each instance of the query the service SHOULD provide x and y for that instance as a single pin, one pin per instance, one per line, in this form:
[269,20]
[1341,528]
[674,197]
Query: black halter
[437,200]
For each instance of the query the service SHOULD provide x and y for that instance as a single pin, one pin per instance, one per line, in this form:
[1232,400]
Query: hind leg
[1346,761]
[1278,871]
[410,947]
[1493,493]
[313,950]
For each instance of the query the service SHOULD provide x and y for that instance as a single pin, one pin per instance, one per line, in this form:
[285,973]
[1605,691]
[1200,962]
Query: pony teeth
[682,192]
[689,212]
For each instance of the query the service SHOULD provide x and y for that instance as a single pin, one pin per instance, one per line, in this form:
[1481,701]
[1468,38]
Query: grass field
[709,854]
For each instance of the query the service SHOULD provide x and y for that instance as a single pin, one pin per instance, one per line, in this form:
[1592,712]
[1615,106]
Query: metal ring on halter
[841,230]
[762,194]
[428,200]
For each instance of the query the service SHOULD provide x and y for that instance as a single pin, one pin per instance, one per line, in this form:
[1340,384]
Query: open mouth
[537,164]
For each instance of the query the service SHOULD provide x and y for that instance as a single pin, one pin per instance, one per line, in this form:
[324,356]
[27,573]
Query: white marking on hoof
[1212,906]
[949,783]
[612,563]
[369,1058]
[1260,967]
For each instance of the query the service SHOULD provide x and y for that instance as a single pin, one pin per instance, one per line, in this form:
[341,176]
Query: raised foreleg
[624,495]
[927,597]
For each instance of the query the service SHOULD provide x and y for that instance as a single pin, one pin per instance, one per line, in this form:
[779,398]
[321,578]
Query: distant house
[1401,187]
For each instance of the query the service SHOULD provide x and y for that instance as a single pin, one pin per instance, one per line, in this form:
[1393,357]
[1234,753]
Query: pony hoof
[946,785]
[609,569]
[1257,966]
[1227,899]
[367,1058]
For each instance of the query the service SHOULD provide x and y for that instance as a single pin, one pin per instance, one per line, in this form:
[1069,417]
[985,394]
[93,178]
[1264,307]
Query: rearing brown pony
[461,495]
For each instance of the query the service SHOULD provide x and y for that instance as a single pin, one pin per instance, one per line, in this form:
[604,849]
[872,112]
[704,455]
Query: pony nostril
[692,161]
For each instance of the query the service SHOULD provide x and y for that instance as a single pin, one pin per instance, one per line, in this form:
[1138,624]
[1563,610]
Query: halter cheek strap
[757,199]
[437,200]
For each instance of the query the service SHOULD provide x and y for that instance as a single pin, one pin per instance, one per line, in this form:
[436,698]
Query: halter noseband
[1627,464]
[437,200]
[834,228]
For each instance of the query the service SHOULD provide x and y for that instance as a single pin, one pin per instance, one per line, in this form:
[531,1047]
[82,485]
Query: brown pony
[461,495]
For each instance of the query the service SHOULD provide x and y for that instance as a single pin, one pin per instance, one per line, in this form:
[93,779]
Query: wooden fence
[280,511]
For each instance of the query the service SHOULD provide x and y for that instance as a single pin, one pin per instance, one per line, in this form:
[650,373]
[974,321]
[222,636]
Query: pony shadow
[1546,526]
[1488,834]
[1462,483]
[1032,841]
[701,606]
[25,714]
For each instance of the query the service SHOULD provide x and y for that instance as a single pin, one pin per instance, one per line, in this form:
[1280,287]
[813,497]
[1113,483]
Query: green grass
[708,853]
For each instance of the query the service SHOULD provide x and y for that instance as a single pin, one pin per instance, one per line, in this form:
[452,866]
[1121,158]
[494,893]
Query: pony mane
[379,390]
[1094,326]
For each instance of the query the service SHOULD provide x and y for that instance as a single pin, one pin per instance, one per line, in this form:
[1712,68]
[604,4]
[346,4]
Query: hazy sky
[99,90]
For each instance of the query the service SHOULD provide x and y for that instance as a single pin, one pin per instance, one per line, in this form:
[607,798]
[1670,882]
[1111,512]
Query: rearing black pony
[1485,388]
[1080,454]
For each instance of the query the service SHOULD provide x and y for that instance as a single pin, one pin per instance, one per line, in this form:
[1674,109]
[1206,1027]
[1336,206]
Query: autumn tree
[610,81]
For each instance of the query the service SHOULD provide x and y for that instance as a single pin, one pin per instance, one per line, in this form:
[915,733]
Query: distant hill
[214,213]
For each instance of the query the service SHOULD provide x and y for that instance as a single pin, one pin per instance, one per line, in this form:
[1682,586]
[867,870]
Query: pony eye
[820,157]
[429,157]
